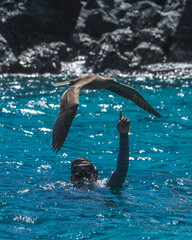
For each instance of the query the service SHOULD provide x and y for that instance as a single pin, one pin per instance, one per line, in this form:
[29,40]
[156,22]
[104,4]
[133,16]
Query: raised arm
[118,177]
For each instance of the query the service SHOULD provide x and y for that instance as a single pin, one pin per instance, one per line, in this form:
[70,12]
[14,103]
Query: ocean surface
[37,199]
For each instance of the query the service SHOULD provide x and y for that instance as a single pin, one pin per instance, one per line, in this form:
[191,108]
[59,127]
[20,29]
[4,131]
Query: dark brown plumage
[70,101]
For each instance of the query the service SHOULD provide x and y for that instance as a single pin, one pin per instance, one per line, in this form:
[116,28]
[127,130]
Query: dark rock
[147,53]
[142,14]
[8,60]
[82,43]
[113,51]
[184,29]
[43,36]
[181,48]
[99,22]
[93,4]
[121,9]
[27,23]
[180,51]
[110,59]
[152,35]
[160,2]
[80,26]
[43,58]
[169,22]
[172,5]
[109,3]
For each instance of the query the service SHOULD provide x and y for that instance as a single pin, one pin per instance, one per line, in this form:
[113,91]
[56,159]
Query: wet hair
[78,161]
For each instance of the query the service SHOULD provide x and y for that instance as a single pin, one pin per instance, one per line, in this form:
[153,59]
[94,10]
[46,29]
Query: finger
[120,114]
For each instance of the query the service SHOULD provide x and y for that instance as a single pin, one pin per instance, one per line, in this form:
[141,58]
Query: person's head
[83,169]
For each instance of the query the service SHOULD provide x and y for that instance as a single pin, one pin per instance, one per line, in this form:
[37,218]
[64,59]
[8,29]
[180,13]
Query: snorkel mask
[84,170]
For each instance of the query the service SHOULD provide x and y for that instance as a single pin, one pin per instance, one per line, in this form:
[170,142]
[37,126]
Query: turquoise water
[37,200]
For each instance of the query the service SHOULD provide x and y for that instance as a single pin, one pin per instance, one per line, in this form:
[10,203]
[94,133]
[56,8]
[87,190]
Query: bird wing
[69,82]
[80,80]
[68,108]
[132,94]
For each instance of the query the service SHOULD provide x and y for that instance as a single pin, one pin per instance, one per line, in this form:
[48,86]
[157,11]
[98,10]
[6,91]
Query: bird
[70,101]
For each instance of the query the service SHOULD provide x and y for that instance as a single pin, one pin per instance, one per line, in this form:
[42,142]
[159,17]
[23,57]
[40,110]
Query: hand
[123,124]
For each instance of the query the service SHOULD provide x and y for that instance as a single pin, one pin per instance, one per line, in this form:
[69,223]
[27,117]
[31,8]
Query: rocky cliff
[48,36]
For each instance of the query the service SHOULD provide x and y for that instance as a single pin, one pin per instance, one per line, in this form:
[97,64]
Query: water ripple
[37,199]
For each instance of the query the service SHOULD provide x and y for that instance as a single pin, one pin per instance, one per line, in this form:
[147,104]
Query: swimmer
[82,170]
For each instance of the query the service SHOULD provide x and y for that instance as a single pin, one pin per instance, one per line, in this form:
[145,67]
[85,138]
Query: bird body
[70,101]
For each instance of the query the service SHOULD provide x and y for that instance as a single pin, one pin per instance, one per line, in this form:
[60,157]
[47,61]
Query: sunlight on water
[37,199]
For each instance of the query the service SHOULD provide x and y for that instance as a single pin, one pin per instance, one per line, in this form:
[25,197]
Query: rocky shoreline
[95,36]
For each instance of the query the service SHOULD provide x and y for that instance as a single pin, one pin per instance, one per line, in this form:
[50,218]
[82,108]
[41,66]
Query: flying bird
[70,101]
